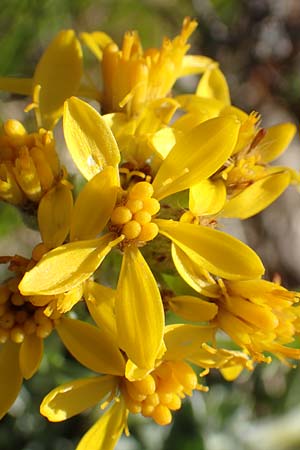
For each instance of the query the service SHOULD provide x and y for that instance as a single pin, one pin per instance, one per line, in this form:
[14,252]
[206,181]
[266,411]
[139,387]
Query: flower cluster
[161,171]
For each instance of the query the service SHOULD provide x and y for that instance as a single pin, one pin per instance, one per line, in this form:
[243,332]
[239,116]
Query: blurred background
[257,43]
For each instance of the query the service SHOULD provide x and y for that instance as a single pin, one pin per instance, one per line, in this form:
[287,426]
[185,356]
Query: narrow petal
[183,340]
[139,310]
[194,64]
[63,268]
[194,275]
[31,354]
[94,205]
[193,308]
[207,197]
[96,41]
[91,346]
[257,197]
[213,84]
[58,73]
[10,376]
[100,301]
[276,140]
[214,251]
[106,432]
[76,396]
[196,156]
[89,139]
[22,86]
[54,215]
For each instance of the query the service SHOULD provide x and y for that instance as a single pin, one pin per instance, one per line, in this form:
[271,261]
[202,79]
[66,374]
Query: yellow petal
[231,373]
[63,268]
[275,141]
[193,308]
[23,86]
[213,84]
[58,73]
[194,64]
[106,432]
[10,376]
[214,251]
[96,41]
[91,346]
[163,141]
[89,139]
[133,372]
[31,354]
[94,205]
[139,310]
[196,156]
[54,215]
[205,108]
[184,340]
[194,275]
[76,396]
[257,197]
[100,301]
[207,197]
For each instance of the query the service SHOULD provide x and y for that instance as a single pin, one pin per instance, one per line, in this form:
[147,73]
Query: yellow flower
[133,77]
[29,165]
[130,213]
[155,394]
[258,315]
[246,184]
[56,77]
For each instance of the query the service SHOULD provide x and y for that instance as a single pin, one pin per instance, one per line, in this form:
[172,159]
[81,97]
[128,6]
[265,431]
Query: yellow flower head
[29,165]
[153,394]
[133,77]
[260,316]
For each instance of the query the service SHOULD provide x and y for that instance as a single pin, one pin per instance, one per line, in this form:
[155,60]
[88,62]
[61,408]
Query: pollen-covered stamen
[18,317]
[160,392]
[133,218]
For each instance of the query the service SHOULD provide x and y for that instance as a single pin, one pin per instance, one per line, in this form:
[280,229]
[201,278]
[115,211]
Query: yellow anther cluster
[133,219]
[29,165]
[18,317]
[160,392]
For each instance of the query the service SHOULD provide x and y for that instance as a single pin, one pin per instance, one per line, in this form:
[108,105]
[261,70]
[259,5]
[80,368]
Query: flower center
[133,216]
[18,317]
[160,392]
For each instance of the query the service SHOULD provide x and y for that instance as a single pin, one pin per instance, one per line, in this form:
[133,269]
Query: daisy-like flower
[154,395]
[133,77]
[29,165]
[56,77]
[247,183]
[128,213]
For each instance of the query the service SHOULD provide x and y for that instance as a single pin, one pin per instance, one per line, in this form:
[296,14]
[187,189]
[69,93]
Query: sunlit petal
[58,73]
[213,84]
[21,86]
[194,64]
[65,267]
[215,251]
[94,205]
[184,340]
[196,156]
[89,139]
[207,197]
[91,346]
[54,215]
[72,398]
[96,41]
[257,197]
[193,308]
[106,432]
[276,140]
[10,376]
[139,310]
[100,301]
[31,354]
